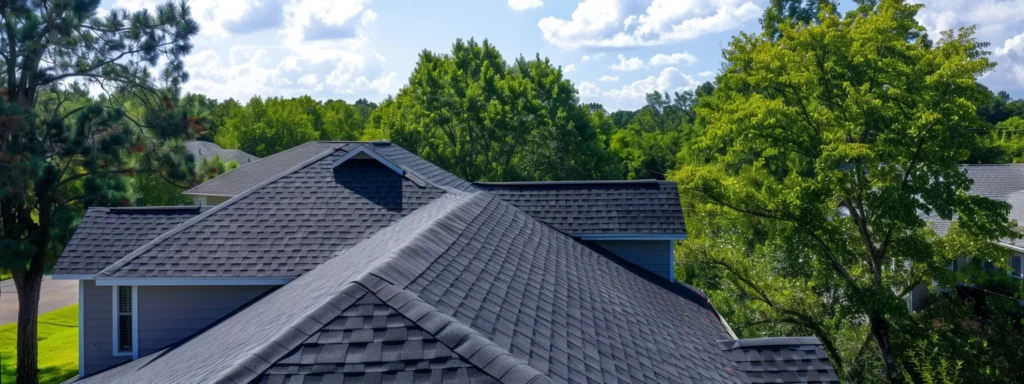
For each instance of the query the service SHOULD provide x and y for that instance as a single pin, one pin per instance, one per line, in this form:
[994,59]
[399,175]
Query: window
[124,321]
[1017,264]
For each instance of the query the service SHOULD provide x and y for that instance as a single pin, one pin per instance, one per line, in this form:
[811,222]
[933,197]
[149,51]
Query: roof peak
[569,182]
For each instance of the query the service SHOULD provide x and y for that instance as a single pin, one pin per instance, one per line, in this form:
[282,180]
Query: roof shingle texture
[242,178]
[1003,182]
[514,298]
[205,150]
[284,228]
[596,207]
[108,234]
[782,360]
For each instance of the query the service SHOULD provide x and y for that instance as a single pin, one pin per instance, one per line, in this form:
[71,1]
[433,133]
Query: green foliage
[649,142]
[472,113]
[60,151]
[58,347]
[809,169]
[155,190]
[929,369]
[265,127]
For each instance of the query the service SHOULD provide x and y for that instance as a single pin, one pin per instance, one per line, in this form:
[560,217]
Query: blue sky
[615,51]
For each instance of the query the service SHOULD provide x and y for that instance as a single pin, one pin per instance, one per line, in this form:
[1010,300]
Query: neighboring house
[355,261]
[1004,182]
[202,150]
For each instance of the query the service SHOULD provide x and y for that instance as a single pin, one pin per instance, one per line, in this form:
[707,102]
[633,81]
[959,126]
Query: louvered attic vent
[364,152]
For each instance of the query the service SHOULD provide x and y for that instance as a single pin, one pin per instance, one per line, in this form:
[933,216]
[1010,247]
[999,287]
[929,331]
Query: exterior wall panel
[653,255]
[169,314]
[97,347]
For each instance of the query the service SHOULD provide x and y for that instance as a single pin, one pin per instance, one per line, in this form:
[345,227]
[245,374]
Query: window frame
[116,315]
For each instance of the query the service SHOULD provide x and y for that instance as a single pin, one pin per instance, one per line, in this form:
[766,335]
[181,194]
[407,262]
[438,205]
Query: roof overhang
[630,236]
[72,276]
[364,152]
[191,281]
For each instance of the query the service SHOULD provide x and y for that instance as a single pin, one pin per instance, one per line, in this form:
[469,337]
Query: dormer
[364,152]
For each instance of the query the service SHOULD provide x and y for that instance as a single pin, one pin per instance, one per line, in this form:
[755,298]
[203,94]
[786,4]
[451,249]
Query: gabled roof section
[782,360]
[205,150]
[108,234]
[243,178]
[284,226]
[493,293]
[363,152]
[641,208]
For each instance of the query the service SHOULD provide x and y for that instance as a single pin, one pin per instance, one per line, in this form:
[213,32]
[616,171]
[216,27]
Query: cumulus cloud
[676,58]
[631,96]
[706,74]
[589,89]
[622,23]
[630,64]
[587,58]
[608,79]
[998,22]
[522,5]
[569,68]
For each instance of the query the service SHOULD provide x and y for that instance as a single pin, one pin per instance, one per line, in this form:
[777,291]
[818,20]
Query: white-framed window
[1017,266]
[126,321]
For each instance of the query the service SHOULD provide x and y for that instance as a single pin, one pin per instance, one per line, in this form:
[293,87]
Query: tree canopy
[822,149]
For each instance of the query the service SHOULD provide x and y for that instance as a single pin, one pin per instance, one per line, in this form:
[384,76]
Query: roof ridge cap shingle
[463,340]
[149,245]
[258,159]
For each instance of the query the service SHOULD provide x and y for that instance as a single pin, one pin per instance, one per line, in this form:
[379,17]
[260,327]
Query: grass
[58,346]
[4,275]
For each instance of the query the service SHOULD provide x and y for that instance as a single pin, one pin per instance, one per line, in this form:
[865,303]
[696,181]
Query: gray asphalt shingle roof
[598,207]
[205,150]
[284,227]
[1003,182]
[489,292]
[108,234]
[782,360]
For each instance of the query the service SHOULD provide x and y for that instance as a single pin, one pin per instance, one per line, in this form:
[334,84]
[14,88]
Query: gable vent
[364,152]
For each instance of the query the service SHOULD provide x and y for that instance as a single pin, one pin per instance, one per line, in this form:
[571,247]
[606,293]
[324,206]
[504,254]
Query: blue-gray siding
[98,330]
[653,255]
[169,314]
[166,315]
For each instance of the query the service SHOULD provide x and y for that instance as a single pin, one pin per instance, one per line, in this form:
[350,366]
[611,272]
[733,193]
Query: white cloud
[589,89]
[630,64]
[620,23]
[569,68]
[632,95]
[594,57]
[676,58]
[998,22]
[608,79]
[706,74]
[522,5]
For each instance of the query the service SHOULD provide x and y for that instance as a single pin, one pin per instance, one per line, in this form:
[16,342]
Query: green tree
[820,150]
[55,160]
[264,128]
[649,142]
[483,119]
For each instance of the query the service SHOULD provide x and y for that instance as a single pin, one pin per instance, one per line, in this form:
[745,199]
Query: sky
[614,51]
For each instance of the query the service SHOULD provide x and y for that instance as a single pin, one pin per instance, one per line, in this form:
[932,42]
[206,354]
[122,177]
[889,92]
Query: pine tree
[61,150]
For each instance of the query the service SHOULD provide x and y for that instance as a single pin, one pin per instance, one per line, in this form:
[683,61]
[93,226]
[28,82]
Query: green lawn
[4,275]
[58,346]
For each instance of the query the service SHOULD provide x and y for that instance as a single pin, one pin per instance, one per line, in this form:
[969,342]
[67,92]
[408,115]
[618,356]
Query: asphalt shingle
[108,234]
[782,360]
[204,150]
[598,207]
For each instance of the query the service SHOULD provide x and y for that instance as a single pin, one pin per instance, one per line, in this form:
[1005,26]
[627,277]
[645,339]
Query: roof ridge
[252,365]
[258,159]
[109,270]
[472,346]
[151,208]
[568,182]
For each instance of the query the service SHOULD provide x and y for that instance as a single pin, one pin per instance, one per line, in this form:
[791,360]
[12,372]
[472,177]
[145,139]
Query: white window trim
[135,323]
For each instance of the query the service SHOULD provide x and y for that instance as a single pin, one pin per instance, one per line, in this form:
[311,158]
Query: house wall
[203,200]
[169,314]
[166,314]
[653,255]
[97,328]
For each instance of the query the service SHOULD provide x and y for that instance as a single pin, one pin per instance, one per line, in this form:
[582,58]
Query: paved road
[56,294]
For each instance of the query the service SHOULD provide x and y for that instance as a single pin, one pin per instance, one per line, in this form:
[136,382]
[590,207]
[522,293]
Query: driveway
[56,294]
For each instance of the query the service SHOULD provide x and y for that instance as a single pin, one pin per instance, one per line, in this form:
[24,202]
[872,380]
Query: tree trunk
[880,329]
[28,284]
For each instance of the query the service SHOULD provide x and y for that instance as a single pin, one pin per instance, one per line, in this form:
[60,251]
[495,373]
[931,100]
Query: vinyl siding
[97,347]
[653,255]
[169,314]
